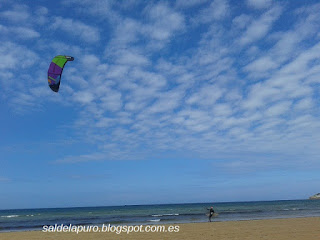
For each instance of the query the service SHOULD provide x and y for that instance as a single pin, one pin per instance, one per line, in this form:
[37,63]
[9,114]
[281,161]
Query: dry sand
[273,229]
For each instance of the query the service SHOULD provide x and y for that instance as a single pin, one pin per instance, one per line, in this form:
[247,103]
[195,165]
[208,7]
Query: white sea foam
[10,216]
[156,215]
[154,220]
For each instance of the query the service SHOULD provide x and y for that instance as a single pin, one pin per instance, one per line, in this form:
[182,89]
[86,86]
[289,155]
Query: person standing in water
[211,212]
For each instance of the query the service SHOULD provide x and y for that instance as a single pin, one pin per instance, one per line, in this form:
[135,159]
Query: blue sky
[166,102]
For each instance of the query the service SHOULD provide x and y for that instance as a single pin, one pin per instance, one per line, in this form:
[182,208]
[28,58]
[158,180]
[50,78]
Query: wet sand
[273,229]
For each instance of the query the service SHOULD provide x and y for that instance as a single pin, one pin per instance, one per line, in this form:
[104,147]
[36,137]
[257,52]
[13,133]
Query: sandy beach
[273,229]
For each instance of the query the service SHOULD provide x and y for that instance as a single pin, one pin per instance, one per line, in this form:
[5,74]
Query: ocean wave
[10,216]
[241,211]
[292,209]
[154,220]
[165,214]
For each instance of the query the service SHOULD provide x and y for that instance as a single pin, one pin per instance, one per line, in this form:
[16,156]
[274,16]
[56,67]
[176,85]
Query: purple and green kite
[55,71]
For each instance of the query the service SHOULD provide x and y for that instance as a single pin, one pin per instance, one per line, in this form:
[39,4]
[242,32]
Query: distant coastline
[315,197]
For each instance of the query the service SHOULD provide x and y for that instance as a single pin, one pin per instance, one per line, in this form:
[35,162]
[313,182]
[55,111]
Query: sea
[35,219]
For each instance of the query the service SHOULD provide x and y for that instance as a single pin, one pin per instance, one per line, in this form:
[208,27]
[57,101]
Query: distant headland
[316,196]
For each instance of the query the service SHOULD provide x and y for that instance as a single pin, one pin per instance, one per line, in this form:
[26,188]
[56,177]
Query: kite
[55,71]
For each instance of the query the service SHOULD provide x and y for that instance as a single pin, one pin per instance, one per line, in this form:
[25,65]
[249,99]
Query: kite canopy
[55,71]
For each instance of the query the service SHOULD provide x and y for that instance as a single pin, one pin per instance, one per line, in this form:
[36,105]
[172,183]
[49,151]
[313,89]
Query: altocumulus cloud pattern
[212,80]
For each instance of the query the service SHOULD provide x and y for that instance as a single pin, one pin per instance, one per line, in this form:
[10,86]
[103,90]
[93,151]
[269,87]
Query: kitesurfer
[211,212]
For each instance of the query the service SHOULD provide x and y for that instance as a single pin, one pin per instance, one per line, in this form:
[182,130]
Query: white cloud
[242,21]
[195,120]
[301,63]
[42,11]
[13,56]
[189,3]
[206,96]
[19,32]
[83,97]
[259,67]
[41,15]
[217,10]
[19,14]
[82,158]
[111,101]
[304,104]
[76,29]
[164,22]
[25,33]
[90,61]
[260,27]
[278,109]
[259,4]
[127,57]
[25,16]
[8,61]
[259,94]
[101,8]
[167,102]
[222,109]
[126,31]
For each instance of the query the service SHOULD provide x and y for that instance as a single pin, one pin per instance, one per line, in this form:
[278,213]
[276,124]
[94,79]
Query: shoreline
[214,220]
[33,219]
[280,228]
